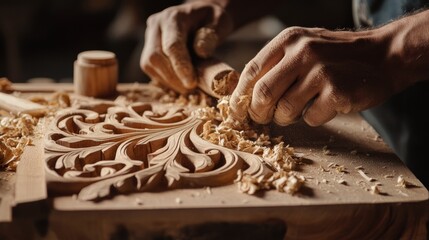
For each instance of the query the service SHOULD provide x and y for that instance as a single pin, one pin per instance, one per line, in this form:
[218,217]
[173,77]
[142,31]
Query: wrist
[407,49]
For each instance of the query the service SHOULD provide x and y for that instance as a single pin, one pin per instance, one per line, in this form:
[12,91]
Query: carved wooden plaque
[152,152]
[102,148]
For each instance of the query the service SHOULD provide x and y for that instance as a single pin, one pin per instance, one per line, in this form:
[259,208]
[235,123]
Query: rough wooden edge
[216,78]
[30,178]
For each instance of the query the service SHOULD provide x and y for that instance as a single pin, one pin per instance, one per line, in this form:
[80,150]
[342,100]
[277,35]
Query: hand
[165,57]
[315,73]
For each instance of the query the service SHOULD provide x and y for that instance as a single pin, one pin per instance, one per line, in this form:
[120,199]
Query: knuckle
[340,100]
[293,34]
[255,116]
[286,108]
[171,47]
[251,70]
[305,46]
[260,117]
[307,49]
[174,15]
[263,93]
[148,61]
[285,113]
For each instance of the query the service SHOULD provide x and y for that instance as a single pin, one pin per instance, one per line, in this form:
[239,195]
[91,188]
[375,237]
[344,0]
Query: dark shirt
[401,120]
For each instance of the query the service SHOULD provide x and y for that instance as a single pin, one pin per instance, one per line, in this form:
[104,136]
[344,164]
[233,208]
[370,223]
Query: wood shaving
[342,181]
[359,168]
[322,169]
[222,130]
[401,182]
[282,181]
[138,201]
[368,179]
[341,169]
[402,193]
[15,133]
[220,85]
[374,190]
[18,131]
[209,190]
[219,129]
[326,151]
[178,200]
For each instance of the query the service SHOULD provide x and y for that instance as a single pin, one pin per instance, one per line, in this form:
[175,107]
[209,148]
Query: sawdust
[222,130]
[18,130]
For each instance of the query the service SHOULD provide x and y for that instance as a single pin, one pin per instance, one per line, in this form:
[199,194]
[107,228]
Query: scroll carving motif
[101,149]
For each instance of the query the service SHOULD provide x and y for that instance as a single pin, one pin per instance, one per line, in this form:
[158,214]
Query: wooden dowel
[18,105]
[216,78]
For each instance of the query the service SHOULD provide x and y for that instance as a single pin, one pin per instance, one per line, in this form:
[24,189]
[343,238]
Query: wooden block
[18,105]
[95,74]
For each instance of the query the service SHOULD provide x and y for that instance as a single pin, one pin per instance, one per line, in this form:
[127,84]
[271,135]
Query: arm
[166,58]
[315,73]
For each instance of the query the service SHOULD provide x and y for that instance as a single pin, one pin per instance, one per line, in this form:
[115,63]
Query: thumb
[205,42]
[207,38]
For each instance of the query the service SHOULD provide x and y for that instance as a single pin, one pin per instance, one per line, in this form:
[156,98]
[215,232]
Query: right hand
[165,57]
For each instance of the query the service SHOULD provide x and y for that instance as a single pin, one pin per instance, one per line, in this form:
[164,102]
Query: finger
[266,59]
[156,64]
[320,111]
[270,88]
[174,47]
[293,102]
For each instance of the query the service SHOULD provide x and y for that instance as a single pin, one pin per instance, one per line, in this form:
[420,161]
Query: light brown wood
[336,201]
[95,74]
[18,105]
[216,78]
[7,187]
[30,179]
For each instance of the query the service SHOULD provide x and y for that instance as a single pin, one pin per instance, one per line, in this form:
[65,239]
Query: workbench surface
[333,203]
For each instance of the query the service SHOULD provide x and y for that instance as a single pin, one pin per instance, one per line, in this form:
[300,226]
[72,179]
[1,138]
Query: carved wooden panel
[103,148]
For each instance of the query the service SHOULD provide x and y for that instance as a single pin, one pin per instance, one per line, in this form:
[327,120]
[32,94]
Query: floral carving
[104,148]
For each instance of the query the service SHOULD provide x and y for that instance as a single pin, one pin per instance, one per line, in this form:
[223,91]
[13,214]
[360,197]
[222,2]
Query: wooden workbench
[332,204]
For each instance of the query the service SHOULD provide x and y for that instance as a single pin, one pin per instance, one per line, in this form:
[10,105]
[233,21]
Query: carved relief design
[104,148]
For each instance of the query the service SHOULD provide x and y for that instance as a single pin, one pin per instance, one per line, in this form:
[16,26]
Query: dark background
[41,38]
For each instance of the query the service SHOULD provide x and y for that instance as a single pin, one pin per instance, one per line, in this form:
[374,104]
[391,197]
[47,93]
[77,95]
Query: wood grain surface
[344,160]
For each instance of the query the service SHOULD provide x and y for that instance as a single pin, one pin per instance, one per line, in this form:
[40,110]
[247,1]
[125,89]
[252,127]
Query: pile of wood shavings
[220,129]
[15,134]
[18,131]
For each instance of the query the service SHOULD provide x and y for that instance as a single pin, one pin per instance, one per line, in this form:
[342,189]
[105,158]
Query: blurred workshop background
[40,39]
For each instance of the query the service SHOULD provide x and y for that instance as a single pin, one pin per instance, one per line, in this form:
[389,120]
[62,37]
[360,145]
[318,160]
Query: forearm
[408,53]
[243,12]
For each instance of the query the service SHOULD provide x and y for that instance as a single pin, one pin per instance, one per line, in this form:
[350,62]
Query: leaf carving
[105,148]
